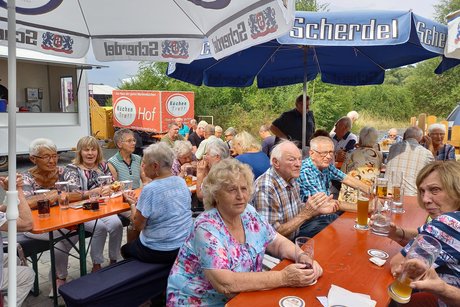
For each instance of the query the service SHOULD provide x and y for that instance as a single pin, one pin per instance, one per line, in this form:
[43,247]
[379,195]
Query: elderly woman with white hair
[184,158]
[163,212]
[216,150]
[434,141]
[44,175]
[223,254]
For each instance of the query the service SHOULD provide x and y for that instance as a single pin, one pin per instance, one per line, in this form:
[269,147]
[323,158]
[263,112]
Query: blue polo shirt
[312,180]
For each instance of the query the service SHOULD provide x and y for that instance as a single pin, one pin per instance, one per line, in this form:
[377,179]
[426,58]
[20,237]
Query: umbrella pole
[12,194]
[304,104]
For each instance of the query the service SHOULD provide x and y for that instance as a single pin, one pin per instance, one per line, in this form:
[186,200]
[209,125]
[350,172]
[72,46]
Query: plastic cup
[421,255]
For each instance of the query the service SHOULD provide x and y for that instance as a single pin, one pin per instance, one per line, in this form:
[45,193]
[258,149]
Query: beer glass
[43,203]
[363,209]
[382,187]
[62,188]
[304,251]
[421,255]
[94,200]
[398,204]
[127,185]
[103,181]
[381,218]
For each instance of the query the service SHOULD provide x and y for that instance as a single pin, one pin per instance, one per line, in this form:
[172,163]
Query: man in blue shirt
[183,128]
[316,174]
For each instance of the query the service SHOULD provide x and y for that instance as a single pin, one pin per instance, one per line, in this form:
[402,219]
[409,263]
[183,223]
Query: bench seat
[126,283]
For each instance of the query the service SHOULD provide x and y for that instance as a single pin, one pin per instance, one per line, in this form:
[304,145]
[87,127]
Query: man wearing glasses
[392,136]
[316,174]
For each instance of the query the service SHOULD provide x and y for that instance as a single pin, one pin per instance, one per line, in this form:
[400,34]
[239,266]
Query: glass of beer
[382,187]
[421,255]
[189,175]
[304,251]
[62,188]
[363,209]
[43,203]
[127,185]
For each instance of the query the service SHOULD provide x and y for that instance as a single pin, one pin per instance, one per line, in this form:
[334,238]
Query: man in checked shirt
[277,194]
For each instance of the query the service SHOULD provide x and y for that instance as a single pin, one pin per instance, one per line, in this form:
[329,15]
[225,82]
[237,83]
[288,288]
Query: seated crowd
[257,199]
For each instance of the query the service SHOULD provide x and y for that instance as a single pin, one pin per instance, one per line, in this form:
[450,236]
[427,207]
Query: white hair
[160,153]
[39,144]
[217,147]
[433,127]
[182,148]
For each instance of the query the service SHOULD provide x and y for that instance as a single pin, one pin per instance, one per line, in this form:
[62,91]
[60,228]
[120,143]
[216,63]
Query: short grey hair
[202,124]
[368,136]
[160,153]
[193,121]
[209,129]
[218,129]
[413,133]
[320,139]
[39,144]
[217,147]
[182,148]
[120,134]
[277,151]
[347,121]
[230,130]
[433,127]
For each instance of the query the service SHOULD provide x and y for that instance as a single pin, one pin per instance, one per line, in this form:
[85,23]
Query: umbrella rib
[266,62]
[370,59]
[193,21]
[84,18]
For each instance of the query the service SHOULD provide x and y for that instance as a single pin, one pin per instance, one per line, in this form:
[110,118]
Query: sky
[120,70]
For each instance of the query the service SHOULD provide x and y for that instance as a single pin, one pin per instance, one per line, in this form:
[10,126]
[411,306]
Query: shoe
[59,283]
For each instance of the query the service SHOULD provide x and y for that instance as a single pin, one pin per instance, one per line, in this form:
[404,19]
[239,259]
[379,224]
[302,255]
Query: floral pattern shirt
[31,185]
[211,246]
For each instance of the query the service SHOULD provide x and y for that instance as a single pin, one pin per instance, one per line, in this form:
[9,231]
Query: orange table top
[66,218]
[342,252]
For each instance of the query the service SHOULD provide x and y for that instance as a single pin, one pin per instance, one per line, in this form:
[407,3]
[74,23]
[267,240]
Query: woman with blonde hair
[83,176]
[250,152]
[223,254]
[438,190]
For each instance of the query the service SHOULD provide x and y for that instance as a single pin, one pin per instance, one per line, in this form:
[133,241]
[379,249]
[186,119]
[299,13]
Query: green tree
[445,7]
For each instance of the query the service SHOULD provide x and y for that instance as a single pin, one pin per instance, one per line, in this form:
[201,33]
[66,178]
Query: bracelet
[403,235]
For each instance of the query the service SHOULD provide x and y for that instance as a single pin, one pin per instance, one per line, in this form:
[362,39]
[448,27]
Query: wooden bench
[126,283]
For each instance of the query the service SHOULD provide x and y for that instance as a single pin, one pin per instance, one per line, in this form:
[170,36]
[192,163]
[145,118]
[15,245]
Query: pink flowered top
[211,246]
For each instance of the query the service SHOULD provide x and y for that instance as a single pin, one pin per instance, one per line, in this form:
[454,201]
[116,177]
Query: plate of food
[116,189]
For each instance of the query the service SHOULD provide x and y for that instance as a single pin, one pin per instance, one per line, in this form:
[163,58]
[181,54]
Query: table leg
[53,269]
[81,244]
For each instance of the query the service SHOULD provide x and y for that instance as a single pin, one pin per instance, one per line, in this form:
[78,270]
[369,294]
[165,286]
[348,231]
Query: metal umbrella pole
[12,194]
[304,103]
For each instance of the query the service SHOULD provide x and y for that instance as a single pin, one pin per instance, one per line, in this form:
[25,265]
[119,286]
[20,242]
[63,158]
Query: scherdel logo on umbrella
[263,23]
[57,42]
[175,49]
[124,111]
[177,105]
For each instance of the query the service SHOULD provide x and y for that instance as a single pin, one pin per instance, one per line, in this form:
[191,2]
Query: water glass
[381,218]
[104,180]
[304,251]
[421,255]
[127,185]
[43,203]
[62,188]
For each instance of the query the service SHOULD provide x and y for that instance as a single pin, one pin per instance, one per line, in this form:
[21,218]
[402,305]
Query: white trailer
[54,90]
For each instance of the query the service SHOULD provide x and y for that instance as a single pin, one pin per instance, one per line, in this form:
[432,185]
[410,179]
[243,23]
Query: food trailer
[52,101]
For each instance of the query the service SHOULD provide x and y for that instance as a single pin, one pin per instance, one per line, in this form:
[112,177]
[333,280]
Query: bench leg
[36,289]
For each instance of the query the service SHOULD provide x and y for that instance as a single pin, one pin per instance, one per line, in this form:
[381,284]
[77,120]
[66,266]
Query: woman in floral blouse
[223,254]
[82,176]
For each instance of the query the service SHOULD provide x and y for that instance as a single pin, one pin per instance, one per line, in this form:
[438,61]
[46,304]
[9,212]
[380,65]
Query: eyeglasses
[324,154]
[47,157]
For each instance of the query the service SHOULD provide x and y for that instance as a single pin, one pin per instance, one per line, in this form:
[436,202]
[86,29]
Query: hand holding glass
[304,251]
[421,255]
